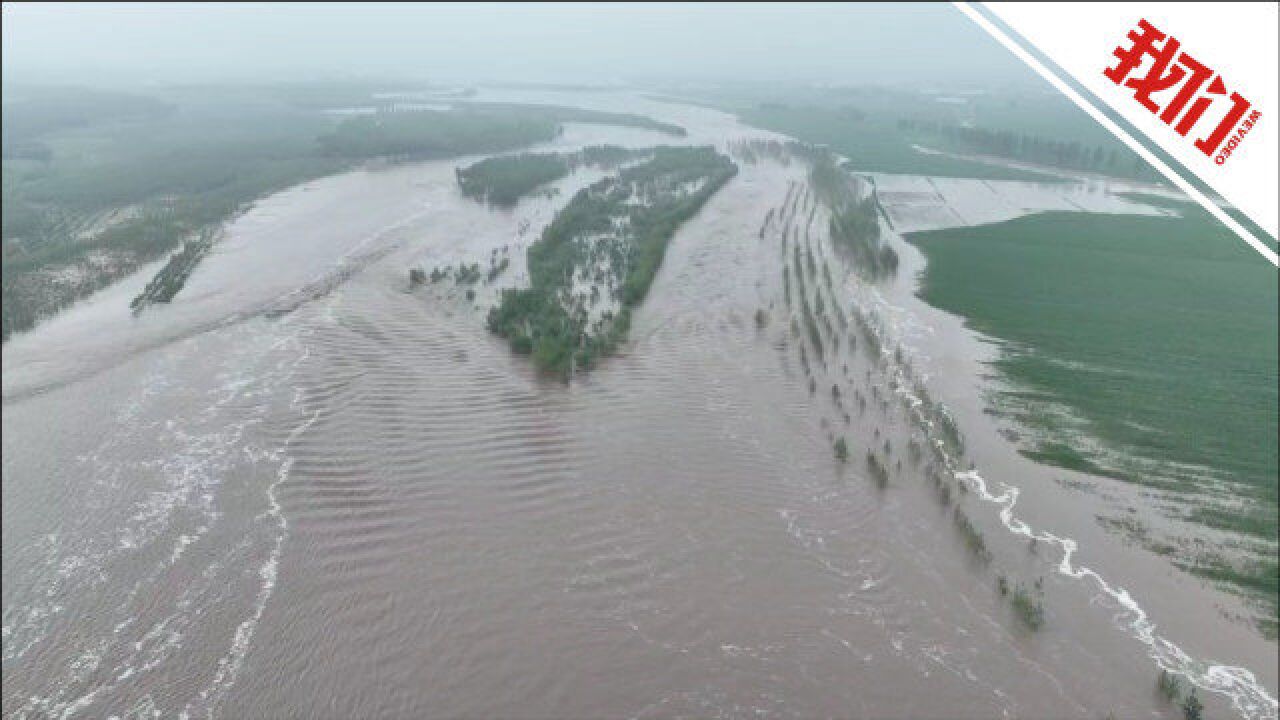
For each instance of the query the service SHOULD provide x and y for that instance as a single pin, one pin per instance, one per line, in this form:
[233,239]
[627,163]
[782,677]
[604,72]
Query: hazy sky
[931,44]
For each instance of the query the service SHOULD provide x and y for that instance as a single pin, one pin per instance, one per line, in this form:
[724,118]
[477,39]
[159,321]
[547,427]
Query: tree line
[1066,154]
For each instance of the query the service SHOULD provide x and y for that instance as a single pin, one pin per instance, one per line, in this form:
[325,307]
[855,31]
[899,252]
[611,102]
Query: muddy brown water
[303,490]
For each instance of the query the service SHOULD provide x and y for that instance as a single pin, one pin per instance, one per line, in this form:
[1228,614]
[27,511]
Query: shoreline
[957,362]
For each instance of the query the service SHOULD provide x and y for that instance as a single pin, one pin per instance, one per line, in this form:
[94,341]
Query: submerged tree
[1169,686]
[841,450]
[1192,708]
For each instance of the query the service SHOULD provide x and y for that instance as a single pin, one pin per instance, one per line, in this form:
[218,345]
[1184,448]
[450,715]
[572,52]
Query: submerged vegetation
[826,350]
[463,274]
[1169,685]
[1170,688]
[1028,606]
[1192,708]
[879,473]
[973,538]
[855,220]
[173,276]
[611,234]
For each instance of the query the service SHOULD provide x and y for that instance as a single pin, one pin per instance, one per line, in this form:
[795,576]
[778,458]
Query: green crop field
[1141,348]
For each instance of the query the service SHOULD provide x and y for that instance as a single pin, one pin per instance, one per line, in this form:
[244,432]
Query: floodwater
[304,490]
[914,203]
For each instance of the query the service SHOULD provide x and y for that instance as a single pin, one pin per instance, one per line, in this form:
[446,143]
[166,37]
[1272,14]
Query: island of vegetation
[504,179]
[611,235]
[166,283]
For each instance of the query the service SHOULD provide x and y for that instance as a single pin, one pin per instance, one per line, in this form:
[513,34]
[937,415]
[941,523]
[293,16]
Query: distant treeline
[1069,155]
[503,180]
[431,134]
[28,113]
[560,114]
[611,234]
[468,128]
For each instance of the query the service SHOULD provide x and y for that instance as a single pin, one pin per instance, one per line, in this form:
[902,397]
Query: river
[304,489]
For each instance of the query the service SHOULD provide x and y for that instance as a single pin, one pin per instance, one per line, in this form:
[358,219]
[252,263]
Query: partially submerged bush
[973,538]
[1169,685]
[1192,708]
[1029,607]
[879,473]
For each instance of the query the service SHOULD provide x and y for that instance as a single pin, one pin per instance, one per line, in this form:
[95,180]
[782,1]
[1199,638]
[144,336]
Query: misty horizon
[137,44]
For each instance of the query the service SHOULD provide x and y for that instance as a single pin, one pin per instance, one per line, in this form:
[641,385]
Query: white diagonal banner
[1197,81]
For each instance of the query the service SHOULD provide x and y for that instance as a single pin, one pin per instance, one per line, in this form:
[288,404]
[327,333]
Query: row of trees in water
[171,278]
[613,233]
[855,219]
[939,444]
[822,328]
[936,442]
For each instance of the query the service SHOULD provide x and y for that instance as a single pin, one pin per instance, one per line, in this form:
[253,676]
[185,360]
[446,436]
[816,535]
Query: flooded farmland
[306,488]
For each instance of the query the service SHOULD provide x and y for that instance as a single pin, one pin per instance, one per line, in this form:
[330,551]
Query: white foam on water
[229,666]
[1239,684]
[189,482]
